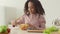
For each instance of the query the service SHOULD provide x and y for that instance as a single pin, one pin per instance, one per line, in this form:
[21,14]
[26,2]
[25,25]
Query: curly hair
[37,5]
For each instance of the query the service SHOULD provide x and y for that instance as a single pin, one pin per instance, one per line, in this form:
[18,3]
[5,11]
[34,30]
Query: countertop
[17,30]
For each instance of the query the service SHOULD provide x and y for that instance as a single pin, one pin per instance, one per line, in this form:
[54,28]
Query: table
[17,30]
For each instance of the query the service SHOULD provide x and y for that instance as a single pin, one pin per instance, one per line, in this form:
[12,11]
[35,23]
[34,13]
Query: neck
[33,13]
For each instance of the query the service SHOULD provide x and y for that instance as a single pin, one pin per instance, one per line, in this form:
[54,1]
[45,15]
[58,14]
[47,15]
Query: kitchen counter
[17,30]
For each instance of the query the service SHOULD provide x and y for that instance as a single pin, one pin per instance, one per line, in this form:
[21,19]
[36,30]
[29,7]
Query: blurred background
[12,9]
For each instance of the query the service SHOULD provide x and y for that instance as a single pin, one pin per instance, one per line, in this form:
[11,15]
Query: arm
[19,20]
[42,23]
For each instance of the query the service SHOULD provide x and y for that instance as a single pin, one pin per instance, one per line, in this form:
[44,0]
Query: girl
[33,15]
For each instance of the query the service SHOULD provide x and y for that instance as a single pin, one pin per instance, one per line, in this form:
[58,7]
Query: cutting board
[41,31]
[38,31]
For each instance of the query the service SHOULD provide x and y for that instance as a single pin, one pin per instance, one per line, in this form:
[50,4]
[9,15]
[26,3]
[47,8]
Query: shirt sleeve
[42,22]
[41,28]
[42,19]
[20,20]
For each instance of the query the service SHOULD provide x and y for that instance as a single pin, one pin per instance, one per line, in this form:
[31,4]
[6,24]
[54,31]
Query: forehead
[30,4]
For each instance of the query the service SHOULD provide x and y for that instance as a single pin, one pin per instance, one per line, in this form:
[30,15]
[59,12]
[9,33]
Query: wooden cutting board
[41,31]
[36,31]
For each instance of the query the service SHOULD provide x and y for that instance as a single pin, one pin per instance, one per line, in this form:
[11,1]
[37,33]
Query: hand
[13,23]
[31,26]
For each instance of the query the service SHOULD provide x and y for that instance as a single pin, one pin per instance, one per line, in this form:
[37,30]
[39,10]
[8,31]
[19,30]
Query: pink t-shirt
[35,20]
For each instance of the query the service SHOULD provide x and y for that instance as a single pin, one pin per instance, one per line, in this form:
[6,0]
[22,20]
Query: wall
[2,16]
[19,4]
[51,7]
[10,14]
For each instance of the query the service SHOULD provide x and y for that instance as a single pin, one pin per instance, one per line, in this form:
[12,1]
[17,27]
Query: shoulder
[42,16]
[42,19]
[24,15]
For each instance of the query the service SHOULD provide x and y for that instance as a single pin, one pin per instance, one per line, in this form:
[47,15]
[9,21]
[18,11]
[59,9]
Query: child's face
[31,8]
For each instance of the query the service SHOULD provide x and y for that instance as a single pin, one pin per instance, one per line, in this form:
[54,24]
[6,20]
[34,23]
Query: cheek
[28,9]
[31,10]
